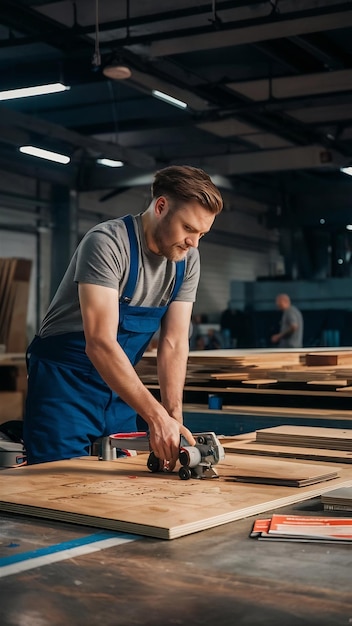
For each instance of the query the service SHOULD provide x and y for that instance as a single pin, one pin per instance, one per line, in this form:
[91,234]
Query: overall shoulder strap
[180,273]
[133,275]
[134,258]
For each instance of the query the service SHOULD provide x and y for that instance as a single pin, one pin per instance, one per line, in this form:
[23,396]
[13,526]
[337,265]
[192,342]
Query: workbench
[56,573]
[218,576]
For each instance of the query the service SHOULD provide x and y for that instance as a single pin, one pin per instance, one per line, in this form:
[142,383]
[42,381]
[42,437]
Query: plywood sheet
[14,293]
[279,472]
[314,437]
[248,445]
[328,358]
[342,496]
[123,495]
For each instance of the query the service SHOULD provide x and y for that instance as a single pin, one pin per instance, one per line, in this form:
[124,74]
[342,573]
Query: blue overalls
[68,404]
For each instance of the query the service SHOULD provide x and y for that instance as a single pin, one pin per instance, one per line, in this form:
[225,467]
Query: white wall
[219,266]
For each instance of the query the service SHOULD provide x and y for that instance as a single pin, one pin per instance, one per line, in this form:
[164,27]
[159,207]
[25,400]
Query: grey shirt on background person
[291,317]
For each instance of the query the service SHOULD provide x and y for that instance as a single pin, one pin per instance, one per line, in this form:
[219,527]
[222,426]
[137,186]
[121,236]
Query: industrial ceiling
[268,89]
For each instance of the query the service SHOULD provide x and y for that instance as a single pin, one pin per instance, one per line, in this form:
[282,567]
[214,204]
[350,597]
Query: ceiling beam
[195,11]
[306,157]
[38,170]
[277,28]
[29,21]
[294,86]
[53,131]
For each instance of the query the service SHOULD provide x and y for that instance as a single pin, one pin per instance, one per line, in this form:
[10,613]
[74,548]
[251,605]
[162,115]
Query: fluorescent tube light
[349,227]
[169,99]
[26,92]
[45,154]
[110,163]
[346,170]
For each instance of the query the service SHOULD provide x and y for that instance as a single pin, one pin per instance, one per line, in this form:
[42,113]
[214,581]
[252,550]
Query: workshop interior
[254,524]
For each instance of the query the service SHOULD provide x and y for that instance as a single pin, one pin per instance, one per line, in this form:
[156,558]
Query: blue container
[214,401]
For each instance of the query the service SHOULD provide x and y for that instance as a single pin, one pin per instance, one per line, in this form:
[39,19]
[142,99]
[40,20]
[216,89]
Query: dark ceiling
[268,87]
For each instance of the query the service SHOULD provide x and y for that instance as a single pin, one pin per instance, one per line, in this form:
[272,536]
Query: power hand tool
[12,452]
[197,461]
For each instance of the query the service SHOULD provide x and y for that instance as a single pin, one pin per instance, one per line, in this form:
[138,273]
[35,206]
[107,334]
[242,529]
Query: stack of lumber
[298,367]
[307,436]
[14,294]
[263,365]
[338,499]
[278,472]
[295,442]
[239,365]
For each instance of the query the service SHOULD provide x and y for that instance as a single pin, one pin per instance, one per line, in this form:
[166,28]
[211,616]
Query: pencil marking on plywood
[156,505]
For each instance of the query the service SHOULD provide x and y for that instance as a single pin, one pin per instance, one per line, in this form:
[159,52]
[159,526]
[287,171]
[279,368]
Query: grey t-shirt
[292,316]
[103,258]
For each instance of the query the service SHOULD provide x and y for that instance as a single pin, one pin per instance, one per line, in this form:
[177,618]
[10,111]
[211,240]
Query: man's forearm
[172,366]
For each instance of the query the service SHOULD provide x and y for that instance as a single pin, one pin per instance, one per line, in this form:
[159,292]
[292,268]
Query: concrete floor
[218,577]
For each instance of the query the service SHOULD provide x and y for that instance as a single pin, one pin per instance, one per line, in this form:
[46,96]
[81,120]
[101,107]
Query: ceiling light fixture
[45,154]
[114,67]
[38,90]
[110,162]
[116,70]
[346,170]
[164,96]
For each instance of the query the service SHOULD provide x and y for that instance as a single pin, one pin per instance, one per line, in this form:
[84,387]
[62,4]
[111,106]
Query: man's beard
[172,252]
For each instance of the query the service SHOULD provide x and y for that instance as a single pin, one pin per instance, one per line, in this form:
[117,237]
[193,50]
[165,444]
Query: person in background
[291,325]
[212,342]
[128,277]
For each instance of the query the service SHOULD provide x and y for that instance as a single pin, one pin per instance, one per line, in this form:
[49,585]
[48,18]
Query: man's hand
[165,440]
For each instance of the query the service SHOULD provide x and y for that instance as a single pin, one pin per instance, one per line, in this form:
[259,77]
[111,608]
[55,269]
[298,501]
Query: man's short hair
[187,184]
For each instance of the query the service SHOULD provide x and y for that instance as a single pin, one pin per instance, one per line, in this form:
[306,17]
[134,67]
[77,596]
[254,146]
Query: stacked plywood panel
[274,368]
[14,294]
[297,442]
[330,438]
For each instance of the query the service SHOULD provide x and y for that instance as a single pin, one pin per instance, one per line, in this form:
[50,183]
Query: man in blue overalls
[128,277]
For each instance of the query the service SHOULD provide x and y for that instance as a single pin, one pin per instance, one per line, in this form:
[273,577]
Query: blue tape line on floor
[65,545]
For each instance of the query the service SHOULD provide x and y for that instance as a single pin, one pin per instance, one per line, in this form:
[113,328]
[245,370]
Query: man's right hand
[165,440]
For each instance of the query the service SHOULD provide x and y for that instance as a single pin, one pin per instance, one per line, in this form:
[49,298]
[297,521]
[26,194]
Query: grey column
[64,213]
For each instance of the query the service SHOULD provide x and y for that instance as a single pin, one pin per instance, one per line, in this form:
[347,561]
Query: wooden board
[123,495]
[274,411]
[259,382]
[341,496]
[328,358]
[14,294]
[278,472]
[248,445]
[311,436]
